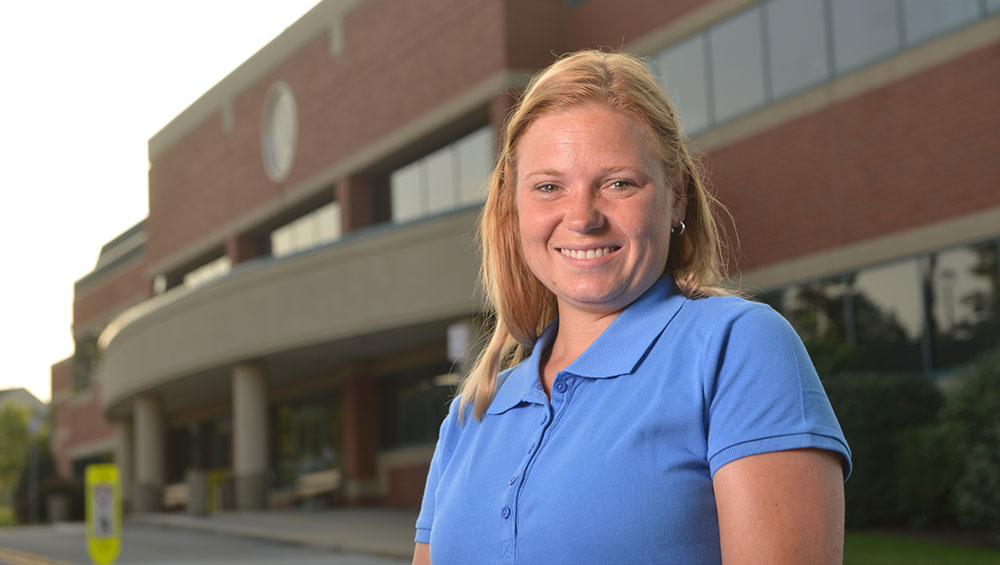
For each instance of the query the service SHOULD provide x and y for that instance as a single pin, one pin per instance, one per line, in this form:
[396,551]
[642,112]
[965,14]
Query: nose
[582,213]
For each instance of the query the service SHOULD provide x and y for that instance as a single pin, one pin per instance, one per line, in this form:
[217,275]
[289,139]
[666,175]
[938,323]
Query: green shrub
[929,463]
[877,412]
[973,412]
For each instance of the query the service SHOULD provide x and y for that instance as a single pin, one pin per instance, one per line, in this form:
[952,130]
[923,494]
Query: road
[151,545]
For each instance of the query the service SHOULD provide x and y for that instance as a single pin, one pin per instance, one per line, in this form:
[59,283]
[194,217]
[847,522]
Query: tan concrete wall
[390,278]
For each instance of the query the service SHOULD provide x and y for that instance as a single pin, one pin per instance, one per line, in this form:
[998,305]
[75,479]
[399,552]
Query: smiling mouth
[588,253]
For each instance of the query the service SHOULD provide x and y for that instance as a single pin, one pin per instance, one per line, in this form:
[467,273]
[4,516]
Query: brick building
[295,306]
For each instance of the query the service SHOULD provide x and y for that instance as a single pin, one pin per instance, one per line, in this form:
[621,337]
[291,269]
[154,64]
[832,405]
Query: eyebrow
[609,171]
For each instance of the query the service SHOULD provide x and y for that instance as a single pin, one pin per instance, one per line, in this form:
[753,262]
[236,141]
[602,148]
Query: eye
[546,188]
[622,184]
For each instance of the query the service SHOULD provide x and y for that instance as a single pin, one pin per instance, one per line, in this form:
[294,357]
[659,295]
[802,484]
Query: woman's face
[594,209]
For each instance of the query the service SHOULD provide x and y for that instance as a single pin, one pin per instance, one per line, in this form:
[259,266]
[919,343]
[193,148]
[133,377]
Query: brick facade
[78,422]
[903,155]
[865,167]
[96,305]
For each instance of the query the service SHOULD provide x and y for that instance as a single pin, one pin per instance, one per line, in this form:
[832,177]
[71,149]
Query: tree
[14,441]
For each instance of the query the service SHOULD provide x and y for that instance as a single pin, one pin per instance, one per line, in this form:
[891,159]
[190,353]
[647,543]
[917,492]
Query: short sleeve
[442,453]
[766,395]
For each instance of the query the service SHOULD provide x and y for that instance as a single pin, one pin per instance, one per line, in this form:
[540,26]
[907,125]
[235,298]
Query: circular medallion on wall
[279,131]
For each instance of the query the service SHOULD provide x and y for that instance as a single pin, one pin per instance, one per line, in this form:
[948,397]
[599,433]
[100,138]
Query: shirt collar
[617,351]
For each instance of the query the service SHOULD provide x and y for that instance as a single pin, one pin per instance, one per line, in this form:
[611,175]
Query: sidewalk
[375,531]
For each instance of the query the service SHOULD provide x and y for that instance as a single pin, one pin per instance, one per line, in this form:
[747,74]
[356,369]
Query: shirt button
[512,480]
[560,387]
[505,512]
[531,448]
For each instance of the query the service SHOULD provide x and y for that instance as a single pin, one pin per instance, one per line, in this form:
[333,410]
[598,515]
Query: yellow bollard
[104,513]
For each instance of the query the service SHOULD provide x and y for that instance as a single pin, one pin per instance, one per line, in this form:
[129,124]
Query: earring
[678,229]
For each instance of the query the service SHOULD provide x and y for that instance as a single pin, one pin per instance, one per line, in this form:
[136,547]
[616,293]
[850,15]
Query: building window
[925,19]
[320,226]
[475,157]
[413,404]
[885,313]
[864,32]
[797,45]
[203,445]
[781,47]
[964,310]
[816,311]
[441,182]
[737,65]
[209,271]
[684,74]
[449,178]
[309,437]
[279,131]
[931,314]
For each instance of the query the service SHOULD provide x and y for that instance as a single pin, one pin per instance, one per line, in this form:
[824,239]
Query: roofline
[327,16]
[118,239]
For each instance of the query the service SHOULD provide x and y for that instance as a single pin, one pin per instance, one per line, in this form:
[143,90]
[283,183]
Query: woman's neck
[576,331]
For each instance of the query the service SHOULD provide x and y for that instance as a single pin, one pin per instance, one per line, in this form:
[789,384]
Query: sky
[84,86]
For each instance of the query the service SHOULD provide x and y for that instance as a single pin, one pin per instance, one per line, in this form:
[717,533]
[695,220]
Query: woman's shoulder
[726,310]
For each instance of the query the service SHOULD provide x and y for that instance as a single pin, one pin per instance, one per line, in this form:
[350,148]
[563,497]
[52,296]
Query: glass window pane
[887,309]
[816,311]
[682,74]
[441,190]
[281,241]
[863,31]
[328,222]
[207,272]
[965,310]
[927,18]
[737,65]
[413,403]
[475,163]
[797,44]
[304,232]
[407,193]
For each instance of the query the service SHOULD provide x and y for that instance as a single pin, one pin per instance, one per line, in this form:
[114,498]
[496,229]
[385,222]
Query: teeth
[586,253]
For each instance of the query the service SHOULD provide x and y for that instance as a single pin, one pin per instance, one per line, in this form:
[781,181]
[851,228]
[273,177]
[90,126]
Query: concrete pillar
[249,436]
[360,440]
[149,451]
[240,248]
[354,194]
[124,441]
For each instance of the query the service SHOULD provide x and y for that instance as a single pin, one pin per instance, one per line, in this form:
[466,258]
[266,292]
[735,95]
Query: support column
[149,450]
[355,199]
[240,248]
[124,441]
[360,440]
[249,436]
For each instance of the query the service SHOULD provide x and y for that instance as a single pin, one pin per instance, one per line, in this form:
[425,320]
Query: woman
[625,409]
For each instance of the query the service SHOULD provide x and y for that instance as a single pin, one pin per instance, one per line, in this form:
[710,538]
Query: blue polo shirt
[617,467]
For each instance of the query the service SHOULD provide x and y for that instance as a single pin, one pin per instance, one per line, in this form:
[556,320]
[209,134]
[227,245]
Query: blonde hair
[522,306]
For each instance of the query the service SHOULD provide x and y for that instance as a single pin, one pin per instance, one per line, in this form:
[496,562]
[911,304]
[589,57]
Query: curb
[207,524]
